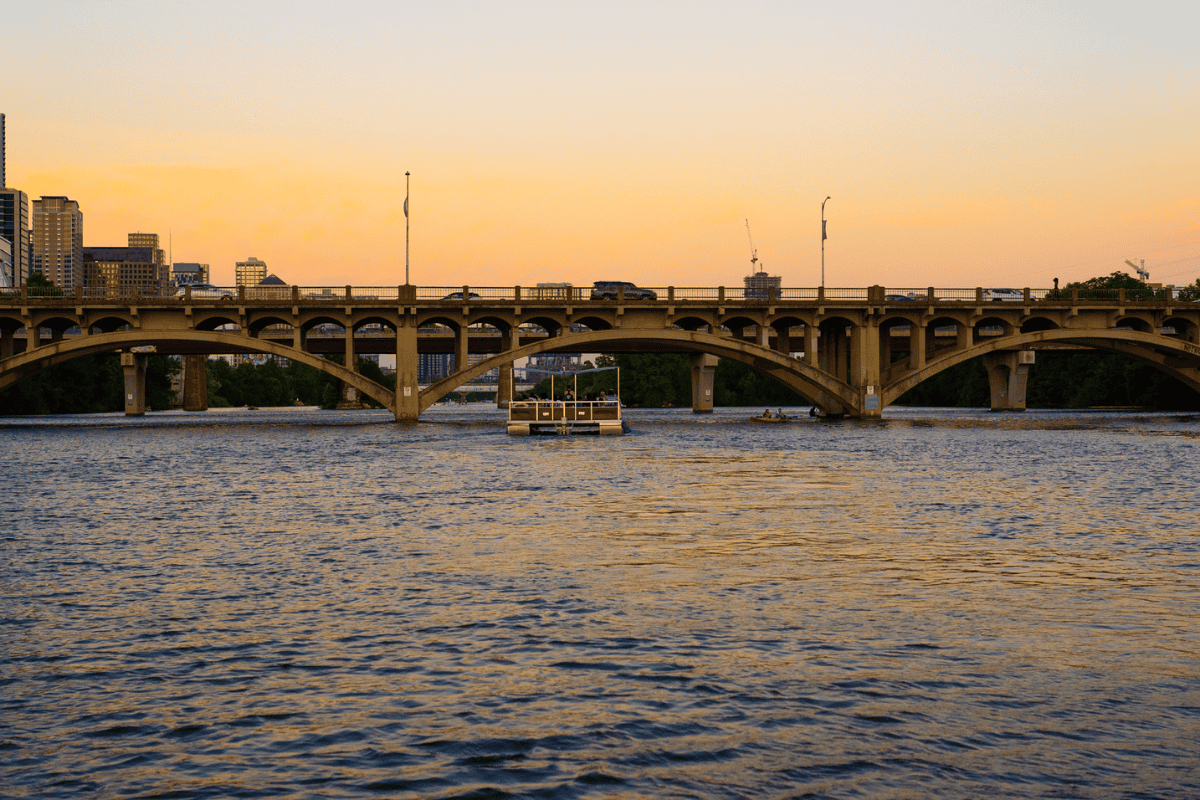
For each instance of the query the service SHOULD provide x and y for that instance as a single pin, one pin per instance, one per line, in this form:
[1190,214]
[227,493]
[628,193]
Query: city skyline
[961,146]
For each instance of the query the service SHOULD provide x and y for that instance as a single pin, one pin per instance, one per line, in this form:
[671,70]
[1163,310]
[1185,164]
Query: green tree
[1104,287]
[38,285]
[1191,292]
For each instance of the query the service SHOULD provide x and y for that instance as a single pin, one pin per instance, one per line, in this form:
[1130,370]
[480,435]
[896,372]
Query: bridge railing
[561,293]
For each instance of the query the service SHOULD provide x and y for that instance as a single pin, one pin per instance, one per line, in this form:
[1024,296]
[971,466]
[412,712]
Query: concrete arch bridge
[852,352]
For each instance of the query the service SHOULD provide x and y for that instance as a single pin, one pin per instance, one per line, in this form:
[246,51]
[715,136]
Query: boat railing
[564,410]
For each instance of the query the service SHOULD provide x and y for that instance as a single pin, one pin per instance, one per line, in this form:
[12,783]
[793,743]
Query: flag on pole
[406,206]
[824,236]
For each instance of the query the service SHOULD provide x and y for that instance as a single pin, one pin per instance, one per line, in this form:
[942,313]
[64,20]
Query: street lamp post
[823,238]
[406,230]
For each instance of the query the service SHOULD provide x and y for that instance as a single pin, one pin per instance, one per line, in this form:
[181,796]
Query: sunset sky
[963,144]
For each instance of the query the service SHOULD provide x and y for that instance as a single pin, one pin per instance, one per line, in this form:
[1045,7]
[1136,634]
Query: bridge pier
[350,400]
[6,343]
[505,385]
[134,367]
[408,402]
[461,344]
[195,383]
[704,370]
[1008,376]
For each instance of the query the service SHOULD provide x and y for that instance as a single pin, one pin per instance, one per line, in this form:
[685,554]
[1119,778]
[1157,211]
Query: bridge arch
[1034,324]
[827,392]
[691,322]
[1134,323]
[212,321]
[1184,330]
[594,323]
[1179,359]
[16,367]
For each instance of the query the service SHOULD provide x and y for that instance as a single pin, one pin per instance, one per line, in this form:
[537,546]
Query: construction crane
[1142,272]
[753,251]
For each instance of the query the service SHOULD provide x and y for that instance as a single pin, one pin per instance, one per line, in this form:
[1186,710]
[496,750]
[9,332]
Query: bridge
[851,352]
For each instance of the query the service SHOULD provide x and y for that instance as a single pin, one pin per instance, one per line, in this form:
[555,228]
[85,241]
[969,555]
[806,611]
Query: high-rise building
[160,258]
[760,284]
[250,272]
[58,241]
[6,264]
[14,223]
[184,273]
[14,228]
[117,271]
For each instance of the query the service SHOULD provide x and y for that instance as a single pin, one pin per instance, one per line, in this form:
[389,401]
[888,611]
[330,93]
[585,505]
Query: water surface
[326,604]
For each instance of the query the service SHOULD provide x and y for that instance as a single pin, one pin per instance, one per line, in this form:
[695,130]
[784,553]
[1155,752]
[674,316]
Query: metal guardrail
[453,295]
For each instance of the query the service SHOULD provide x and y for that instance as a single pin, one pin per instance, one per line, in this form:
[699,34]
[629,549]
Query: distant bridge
[852,352]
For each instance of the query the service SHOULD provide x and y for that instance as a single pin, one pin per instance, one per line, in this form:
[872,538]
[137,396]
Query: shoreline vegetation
[94,384]
[1067,380]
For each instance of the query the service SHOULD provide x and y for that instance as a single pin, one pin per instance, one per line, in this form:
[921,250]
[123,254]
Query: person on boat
[781,415]
[766,413]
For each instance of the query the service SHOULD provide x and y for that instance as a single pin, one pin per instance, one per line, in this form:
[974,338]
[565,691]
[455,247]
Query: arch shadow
[832,395]
[1177,358]
[27,363]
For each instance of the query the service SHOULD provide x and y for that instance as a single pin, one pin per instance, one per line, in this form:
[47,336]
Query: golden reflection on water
[954,601]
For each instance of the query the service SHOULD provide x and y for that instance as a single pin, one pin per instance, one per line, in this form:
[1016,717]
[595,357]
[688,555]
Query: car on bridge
[899,298]
[1014,295]
[607,290]
[205,291]
[459,296]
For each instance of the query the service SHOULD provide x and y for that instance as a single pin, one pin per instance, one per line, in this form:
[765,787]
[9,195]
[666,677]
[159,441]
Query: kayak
[772,419]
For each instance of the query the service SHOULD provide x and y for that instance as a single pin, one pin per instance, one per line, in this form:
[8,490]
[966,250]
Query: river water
[294,604]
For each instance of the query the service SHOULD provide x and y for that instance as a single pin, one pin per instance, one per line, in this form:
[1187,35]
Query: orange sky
[962,144]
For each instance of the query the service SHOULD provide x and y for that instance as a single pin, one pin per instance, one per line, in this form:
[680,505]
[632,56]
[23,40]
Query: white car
[1016,295]
[205,291]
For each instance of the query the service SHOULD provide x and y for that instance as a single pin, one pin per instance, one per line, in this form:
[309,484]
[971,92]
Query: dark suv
[607,290]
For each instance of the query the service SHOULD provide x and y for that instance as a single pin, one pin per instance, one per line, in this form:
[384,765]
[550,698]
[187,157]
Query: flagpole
[406,232]
[823,238]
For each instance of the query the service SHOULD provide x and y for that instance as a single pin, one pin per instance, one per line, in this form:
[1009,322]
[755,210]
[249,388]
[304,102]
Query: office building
[58,241]
[6,264]
[14,224]
[250,272]
[185,273]
[759,285]
[14,229]
[433,366]
[160,258]
[118,271]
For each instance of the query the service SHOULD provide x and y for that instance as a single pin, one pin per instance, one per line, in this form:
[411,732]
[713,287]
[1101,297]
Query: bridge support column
[350,400]
[6,343]
[504,387]
[810,345]
[134,367]
[865,367]
[195,383]
[351,361]
[1008,376]
[783,339]
[33,336]
[461,344]
[407,394]
[916,346]
[704,370]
